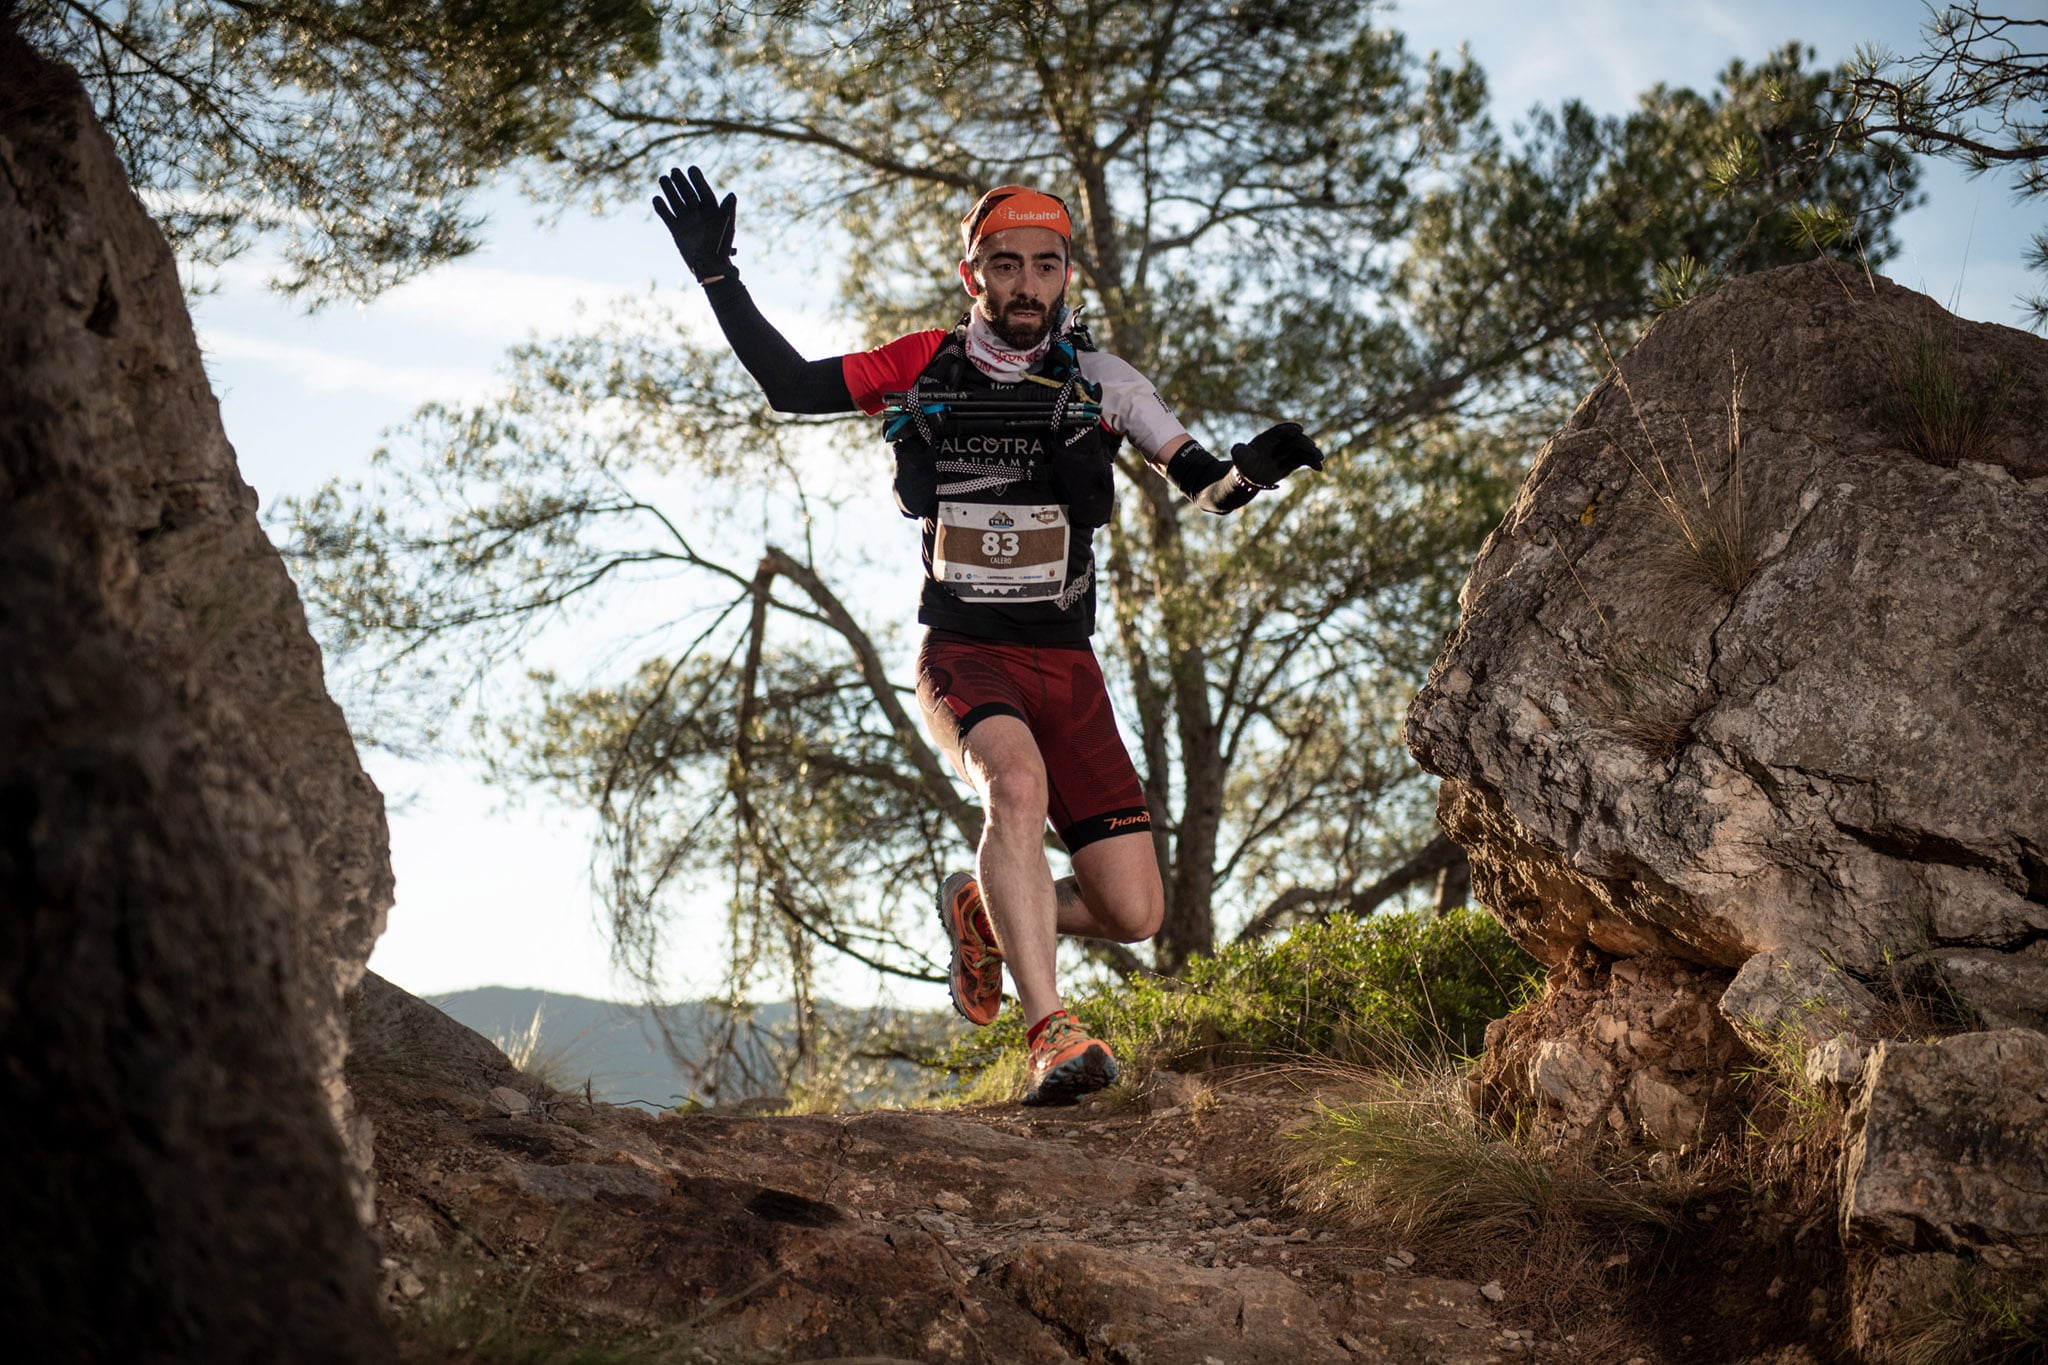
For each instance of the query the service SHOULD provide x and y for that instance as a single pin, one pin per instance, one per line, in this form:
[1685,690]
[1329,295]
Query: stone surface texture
[1795,993]
[1833,758]
[2005,989]
[1892,1298]
[1836,1063]
[192,860]
[1142,1307]
[1946,1147]
[1104,1233]
[1626,1052]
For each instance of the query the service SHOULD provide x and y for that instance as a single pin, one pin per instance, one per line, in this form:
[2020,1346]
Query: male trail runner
[1005,427]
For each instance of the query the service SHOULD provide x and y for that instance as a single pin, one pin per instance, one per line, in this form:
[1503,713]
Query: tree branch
[1432,858]
[963,816]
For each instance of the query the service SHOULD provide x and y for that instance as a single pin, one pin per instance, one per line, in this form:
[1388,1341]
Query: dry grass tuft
[1931,404]
[1916,1003]
[1710,547]
[1978,1319]
[1399,1156]
[560,1067]
[1407,1157]
[1641,694]
[1788,1152]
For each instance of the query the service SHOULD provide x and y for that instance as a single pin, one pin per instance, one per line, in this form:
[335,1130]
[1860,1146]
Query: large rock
[1836,756]
[1632,1051]
[2005,989]
[1796,994]
[192,863]
[1948,1147]
[393,1032]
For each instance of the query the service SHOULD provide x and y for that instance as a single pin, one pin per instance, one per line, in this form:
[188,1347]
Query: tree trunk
[1453,887]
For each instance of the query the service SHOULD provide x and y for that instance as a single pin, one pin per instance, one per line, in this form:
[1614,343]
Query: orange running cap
[1012,206]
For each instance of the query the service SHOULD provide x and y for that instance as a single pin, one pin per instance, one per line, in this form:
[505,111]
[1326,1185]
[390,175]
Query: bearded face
[1024,322]
[1022,279]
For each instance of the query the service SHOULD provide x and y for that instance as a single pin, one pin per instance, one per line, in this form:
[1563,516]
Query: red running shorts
[1056,690]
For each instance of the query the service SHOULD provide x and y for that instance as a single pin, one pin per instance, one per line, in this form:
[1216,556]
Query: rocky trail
[1758,802]
[1148,1232]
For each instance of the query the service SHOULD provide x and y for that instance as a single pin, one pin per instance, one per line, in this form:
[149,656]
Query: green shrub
[1347,990]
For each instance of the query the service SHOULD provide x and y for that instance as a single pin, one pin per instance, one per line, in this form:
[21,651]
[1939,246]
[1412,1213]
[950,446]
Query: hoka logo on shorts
[1001,520]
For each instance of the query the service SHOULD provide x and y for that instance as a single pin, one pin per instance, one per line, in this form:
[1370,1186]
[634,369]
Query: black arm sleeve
[791,383]
[1211,484]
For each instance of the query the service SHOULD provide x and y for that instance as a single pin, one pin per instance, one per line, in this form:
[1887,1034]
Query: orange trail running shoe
[1066,1063]
[976,978]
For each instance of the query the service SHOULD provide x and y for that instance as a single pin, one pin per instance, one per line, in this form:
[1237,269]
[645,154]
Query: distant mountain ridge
[617,1049]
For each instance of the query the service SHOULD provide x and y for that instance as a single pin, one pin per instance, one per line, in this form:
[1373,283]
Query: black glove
[700,222]
[1275,453]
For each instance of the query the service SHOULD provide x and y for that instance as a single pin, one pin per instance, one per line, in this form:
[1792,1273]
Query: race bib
[990,553]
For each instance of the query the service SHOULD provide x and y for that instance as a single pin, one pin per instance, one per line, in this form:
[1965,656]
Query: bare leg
[1001,759]
[1114,892]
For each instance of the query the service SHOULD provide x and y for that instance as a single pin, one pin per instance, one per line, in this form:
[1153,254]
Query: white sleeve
[1131,407]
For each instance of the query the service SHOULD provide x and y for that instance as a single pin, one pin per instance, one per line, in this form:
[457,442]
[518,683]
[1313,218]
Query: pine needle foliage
[347,134]
[1975,93]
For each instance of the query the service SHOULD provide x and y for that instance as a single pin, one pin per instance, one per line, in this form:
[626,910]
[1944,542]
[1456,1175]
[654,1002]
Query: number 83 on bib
[1001,552]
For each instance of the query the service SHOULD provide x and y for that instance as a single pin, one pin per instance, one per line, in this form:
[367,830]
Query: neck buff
[1002,362]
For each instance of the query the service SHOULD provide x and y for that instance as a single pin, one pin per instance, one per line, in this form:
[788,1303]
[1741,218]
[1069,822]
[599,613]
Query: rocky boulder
[1948,1147]
[1796,994]
[192,862]
[1736,730]
[1744,670]
[1634,1050]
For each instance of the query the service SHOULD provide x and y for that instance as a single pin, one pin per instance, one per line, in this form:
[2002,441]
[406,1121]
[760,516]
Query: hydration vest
[1008,483]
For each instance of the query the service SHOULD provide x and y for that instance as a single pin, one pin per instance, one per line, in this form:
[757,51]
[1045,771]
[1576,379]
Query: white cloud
[503,306]
[506,306]
[321,370]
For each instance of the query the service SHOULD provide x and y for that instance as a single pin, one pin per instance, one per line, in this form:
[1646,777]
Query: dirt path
[980,1235]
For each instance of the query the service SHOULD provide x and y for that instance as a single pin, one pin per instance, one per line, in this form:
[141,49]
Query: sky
[494,890]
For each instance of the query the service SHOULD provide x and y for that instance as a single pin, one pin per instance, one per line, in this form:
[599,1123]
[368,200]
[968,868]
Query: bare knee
[1151,914]
[1016,796]
[1134,916]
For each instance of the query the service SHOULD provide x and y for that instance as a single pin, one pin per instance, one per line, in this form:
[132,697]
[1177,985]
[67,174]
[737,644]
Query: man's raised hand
[700,222]
[1275,453]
